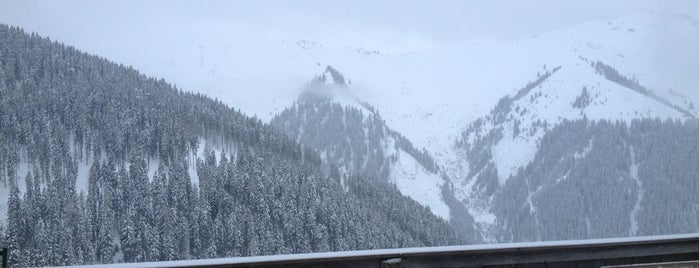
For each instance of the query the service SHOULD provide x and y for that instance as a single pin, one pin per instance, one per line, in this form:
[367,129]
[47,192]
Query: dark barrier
[580,253]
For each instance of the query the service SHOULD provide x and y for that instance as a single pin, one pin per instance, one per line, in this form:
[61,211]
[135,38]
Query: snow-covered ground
[414,181]
[217,147]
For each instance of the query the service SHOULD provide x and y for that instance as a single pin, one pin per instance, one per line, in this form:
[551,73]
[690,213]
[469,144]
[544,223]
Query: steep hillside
[498,146]
[588,131]
[171,175]
[592,179]
[352,139]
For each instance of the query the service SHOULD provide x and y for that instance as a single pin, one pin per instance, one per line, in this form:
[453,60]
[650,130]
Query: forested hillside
[149,195]
[594,179]
[102,164]
[352,134]
[561,158]
[353,140]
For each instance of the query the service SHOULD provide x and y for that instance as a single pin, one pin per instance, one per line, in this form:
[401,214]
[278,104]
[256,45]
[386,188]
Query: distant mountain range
[101,164]
[593,73]
[581,133]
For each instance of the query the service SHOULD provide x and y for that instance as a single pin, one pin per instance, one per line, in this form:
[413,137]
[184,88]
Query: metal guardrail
[580,253]
[679,264]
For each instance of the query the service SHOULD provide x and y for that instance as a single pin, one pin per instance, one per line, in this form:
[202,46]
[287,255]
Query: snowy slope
[553,102]
[83,165]
[568,56]
[521,123]
[444,87]
[431,96]
[85,161]
[511,133]
[423,186]
[350,134]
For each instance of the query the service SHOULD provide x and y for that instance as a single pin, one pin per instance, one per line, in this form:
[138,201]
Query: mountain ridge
[264,195]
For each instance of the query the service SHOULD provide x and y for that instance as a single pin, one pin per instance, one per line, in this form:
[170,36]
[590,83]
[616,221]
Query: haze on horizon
[154,36]
[383,25]
[161,130]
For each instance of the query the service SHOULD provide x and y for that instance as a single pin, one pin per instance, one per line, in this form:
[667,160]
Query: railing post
[5,256]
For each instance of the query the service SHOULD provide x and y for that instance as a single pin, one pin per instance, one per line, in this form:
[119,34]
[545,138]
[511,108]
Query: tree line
[60,107]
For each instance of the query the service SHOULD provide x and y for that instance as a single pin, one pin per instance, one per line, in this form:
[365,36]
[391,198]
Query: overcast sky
[176,40]
[399,25]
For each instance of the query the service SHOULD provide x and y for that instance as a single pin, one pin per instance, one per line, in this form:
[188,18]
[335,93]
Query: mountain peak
[334,74]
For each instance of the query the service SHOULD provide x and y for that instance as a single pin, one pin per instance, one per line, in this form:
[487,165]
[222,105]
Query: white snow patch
[564,177]
[82,180]
[513,153]
[586,150]
[23,169]
[153,165]
[343,95]
[217,146]
[414,181]
[482,216]
[4,196]
[192,168]
[390,146]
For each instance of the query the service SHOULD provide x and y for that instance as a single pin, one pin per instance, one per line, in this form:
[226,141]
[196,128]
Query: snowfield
[414,181]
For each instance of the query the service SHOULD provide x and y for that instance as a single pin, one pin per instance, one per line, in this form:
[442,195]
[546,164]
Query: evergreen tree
[63,107]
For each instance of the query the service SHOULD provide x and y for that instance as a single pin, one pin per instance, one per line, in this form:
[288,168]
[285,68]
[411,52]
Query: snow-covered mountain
[112,162]
[481,108]
[496,147]
[353,140]
[601,179]
[469,79]
[445,87]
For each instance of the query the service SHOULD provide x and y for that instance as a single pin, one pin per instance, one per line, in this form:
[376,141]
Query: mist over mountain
[352,139]
[593,82]
[102,164]
[295,145]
